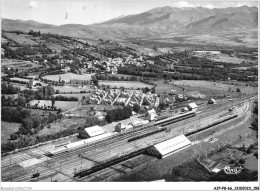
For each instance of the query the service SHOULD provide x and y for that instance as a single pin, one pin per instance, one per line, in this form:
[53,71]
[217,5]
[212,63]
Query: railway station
[92,131]
[170,146]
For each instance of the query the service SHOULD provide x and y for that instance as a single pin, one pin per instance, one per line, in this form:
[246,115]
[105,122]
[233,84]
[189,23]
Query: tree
[21,100]
[28,123]
[238,90]
[153,90]
[13,136]
[241,161]
[136,107]
[36,118]
[52,101]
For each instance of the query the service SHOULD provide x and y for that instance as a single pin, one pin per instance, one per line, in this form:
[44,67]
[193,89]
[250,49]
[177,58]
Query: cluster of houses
[107,65]
[123,98]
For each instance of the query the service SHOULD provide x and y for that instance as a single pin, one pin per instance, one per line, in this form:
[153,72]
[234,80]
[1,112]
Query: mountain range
[158,22]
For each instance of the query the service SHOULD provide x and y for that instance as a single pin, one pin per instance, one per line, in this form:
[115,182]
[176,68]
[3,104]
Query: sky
[94,11]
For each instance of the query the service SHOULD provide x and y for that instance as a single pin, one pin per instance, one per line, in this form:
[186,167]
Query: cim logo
[232,170]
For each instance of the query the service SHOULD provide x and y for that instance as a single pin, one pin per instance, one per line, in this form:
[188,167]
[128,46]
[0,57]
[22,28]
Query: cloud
[183,4]
[32,4]
[209,6]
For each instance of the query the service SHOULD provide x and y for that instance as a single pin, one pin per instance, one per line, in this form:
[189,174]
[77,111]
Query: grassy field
[62,125]
[126,84]
[68,76]
[68,89]
[7,129]
[64,105]
[196,91]
[20,39]
[55,47]
[215,86]
[19,64]
[226,58]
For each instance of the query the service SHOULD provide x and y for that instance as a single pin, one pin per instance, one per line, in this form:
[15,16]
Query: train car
[232,108]
[57,151]
[189,113]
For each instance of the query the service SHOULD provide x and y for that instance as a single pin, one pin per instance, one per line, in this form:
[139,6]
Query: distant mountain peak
[158,21]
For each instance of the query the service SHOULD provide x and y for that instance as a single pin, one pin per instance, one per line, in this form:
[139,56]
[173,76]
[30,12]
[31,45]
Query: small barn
[192,106]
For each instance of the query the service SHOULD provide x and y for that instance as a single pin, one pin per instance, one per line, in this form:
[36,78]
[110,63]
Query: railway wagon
[187,114]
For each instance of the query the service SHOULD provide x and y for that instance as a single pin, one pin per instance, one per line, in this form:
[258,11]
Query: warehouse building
[92,131]
[170,146]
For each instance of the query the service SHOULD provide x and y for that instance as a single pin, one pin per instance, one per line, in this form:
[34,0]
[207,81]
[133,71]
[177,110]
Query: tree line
[118,114]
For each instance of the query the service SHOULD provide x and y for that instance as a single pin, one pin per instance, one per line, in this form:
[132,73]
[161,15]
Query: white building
[93,131]
[151,115]
[170,146]
[192,106]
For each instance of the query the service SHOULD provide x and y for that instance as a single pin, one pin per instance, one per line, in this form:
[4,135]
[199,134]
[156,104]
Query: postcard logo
[232,170]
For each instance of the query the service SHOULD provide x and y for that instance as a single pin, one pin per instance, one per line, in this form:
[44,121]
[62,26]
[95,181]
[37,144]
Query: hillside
[159,21]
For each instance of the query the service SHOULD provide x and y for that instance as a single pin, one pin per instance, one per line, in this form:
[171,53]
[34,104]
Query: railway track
[117,139]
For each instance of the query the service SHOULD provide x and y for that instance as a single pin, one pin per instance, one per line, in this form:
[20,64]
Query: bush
[242,161]
[232,161]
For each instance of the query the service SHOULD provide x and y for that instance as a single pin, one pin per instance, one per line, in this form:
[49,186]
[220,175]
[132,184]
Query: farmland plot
[68,76]
[126,84]
[20,39]
[64,105]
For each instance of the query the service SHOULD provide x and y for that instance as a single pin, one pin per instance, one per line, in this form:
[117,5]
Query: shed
[170,146]
[192,106]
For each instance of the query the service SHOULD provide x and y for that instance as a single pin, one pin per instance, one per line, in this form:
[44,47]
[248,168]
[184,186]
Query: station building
[169,147]
[92,131]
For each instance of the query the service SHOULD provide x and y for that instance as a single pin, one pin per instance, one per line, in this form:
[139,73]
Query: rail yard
[72,161]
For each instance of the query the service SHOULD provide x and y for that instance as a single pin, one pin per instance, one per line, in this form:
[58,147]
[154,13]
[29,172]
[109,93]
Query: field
[196,91]
[7,129]
[55,47]
[19,64]
[64,105]
[63,125]
[215,86]
[126,84]
[68,76]
[20,39]
[226,58]
[69,89]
